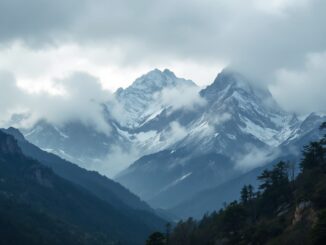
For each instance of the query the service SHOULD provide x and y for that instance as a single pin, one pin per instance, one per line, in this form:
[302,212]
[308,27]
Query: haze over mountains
[173,140]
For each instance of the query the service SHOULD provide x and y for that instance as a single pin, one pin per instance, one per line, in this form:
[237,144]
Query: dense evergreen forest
[285,209]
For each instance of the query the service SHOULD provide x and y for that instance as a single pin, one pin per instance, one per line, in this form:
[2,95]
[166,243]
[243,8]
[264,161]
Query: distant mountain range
[99,185]
[89,148]
[183,142]
[47,200]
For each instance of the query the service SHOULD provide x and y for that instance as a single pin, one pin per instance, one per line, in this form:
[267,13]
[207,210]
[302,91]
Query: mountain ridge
[49,201]
[239,122]
[99,185]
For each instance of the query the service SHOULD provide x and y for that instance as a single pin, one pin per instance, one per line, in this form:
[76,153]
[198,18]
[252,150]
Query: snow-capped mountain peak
[143,93]
[230,84]
[235,126]
[227,79]
[156,80]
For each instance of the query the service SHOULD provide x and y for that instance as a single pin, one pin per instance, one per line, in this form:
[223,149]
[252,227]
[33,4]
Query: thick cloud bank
[79,97]
[303,87]
[279,43]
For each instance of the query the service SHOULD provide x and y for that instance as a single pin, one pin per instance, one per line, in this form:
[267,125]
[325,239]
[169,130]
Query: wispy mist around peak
[181,97]
[254,157]
[298,86]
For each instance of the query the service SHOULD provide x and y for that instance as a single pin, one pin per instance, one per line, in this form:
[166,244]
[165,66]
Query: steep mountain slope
[32,194]
[283,209]
[212,199]
[99,185]
[160,178]
[21,224]
[240,128]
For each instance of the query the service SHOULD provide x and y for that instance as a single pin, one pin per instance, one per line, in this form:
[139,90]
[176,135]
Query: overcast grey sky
[279,43]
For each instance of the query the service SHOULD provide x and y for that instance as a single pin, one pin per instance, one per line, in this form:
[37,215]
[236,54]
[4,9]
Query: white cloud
[36,70]
[119,40]
[117,160]
[181,97]
[254,157]
[220,119]
[80,99]
[303,90]
[176,133]
[146,136]
[10,96]
[279,6]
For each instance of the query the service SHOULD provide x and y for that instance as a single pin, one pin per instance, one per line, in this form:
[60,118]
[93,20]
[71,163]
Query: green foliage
[157,238]
[275,187]
[318,234]
[183,232]
[244,195]
[314,154]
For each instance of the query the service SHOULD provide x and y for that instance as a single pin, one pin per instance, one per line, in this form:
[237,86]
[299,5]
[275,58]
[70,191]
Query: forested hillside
[286,209]
[38,207]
